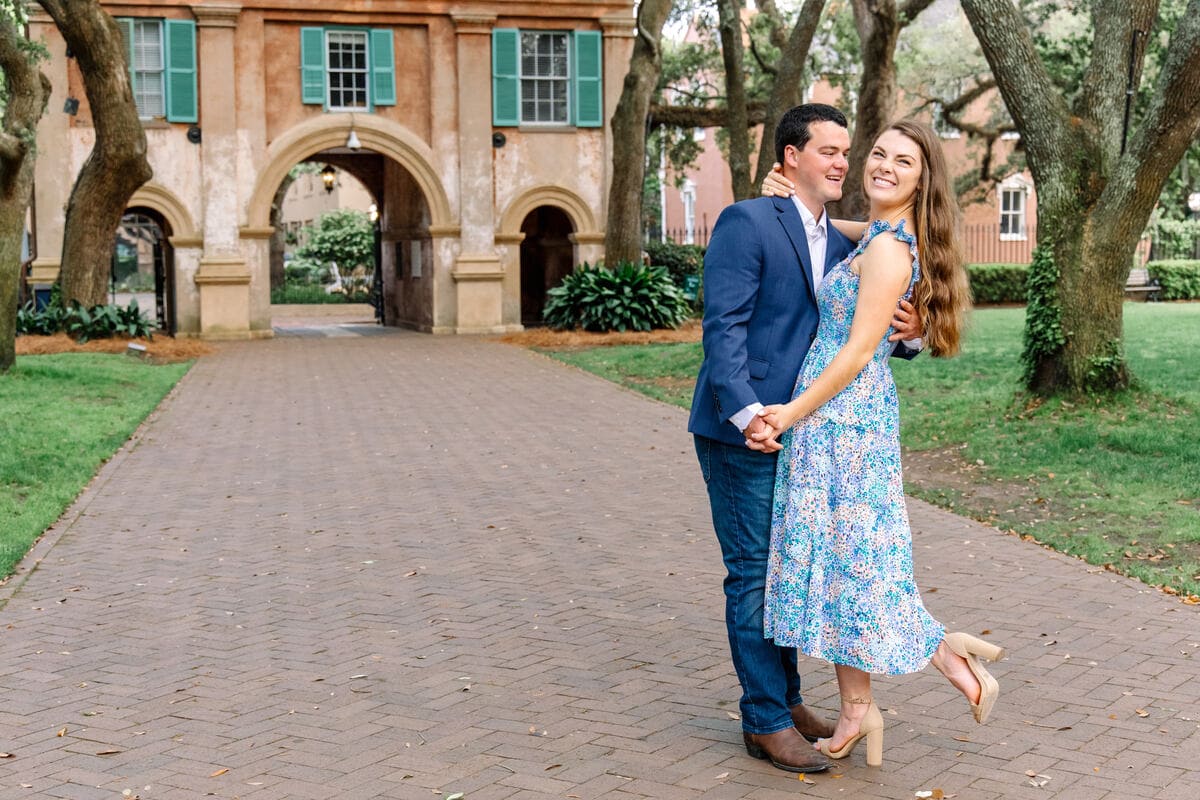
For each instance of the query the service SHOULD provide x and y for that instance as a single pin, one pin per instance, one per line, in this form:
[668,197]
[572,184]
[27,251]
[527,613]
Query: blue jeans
[741,483]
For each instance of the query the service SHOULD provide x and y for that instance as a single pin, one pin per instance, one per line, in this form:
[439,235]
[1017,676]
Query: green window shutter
[383,68]
[179,46]
[506,76]
[589,94]
[312,66]
[126,26]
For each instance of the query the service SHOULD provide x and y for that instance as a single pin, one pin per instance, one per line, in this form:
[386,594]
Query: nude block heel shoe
[972,649]
[870,729]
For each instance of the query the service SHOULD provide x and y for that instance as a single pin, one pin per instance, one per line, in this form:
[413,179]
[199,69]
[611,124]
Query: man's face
[820,168]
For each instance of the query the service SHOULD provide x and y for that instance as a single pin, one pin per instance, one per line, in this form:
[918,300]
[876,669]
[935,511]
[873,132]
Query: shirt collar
[811,224]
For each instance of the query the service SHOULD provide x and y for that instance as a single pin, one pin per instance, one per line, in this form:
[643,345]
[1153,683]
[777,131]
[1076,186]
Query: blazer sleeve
[733,267]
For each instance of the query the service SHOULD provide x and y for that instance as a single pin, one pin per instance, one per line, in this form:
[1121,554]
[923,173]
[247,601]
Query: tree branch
[670,116]
[1169,127]
[1034,103]
[1102,100]
[910,10]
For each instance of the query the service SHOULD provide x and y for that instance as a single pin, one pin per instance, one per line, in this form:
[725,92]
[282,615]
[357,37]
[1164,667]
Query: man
[765,261]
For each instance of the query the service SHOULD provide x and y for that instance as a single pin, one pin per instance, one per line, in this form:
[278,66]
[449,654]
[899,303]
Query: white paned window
[545,78]
[1012,212]
[688,196]
[346,55]
[148,86]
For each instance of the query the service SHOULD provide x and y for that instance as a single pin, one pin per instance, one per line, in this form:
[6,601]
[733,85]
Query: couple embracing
[796,424]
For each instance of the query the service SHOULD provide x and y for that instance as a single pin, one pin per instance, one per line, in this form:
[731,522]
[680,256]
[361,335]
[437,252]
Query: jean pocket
[704,454]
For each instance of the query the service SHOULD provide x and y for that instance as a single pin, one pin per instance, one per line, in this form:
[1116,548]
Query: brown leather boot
[811,726]
[785,749]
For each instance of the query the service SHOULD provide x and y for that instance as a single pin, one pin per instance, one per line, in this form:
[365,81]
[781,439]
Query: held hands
[762,437]
[774,420]
[905,322]
[775,185]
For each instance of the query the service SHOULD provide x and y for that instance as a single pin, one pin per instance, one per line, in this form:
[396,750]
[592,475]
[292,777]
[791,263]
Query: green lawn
[64,415]
[1117,483]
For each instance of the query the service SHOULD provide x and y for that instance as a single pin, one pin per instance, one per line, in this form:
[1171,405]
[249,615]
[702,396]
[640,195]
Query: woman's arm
[885,269]
[851,229]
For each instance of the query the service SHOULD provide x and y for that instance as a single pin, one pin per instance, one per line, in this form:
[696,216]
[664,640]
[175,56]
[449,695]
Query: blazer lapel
[793,226]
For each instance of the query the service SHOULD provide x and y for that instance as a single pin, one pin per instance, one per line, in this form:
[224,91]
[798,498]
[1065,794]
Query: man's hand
[761,437]
[906,323]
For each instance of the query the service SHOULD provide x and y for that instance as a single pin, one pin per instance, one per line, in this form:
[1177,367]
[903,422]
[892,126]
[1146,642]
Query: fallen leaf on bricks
[61,732]
[552,766]
[961,739]
[1141,712]
[10,755]
[722,776]
[455,796]
[108,752]
[733,715]
[219,772]
[805,779]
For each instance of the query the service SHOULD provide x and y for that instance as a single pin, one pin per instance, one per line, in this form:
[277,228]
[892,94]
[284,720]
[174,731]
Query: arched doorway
[547,256]
[144,261]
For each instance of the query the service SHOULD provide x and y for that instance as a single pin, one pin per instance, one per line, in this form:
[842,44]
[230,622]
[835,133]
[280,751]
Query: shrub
[629,297]
[680,260]
[301,271]
[1178,280]
[998,283]
[97,322]
[1174,238]
[305,294]
[685,264]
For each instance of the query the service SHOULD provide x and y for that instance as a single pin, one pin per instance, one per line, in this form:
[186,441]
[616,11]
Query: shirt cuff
[917,344]
[742,419]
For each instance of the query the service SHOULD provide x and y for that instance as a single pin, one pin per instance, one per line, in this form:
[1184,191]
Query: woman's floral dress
[840,574]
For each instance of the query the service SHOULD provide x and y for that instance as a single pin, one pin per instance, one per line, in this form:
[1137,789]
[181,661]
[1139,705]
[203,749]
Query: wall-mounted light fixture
[329,177]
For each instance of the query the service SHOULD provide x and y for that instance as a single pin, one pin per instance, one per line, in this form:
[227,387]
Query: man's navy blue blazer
[760,311]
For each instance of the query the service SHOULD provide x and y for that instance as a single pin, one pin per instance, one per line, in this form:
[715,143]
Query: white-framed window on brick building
[1013,196]
[162,67]
[547,78]
[688,196]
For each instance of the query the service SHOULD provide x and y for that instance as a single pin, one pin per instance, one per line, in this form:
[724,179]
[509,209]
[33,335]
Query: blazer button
[812,337]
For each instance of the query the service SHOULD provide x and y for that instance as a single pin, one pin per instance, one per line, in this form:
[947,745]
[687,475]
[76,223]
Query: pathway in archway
[409,567]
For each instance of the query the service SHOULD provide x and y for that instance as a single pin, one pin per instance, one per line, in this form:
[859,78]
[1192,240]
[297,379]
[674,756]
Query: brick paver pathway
[411,567]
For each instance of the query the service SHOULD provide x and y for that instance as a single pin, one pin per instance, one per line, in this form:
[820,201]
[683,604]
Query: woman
[840,577]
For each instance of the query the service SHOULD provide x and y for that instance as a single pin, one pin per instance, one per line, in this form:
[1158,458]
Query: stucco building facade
[478,128]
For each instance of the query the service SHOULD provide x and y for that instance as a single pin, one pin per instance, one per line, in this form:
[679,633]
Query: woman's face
[893,170]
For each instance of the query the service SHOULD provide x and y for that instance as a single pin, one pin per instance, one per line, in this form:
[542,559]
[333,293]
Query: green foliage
[1174,238]
[305,294]
[1178,280]
[97,322]
[630,297]
[1043,322]
[303,272]
[1108,369]
[998,283]
[342,237]
[680,260]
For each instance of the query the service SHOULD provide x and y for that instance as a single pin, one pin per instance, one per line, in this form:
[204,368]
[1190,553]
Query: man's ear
[791,155]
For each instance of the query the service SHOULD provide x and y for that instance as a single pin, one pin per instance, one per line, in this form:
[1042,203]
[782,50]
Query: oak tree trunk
[117,165]
[729,13]
[1097,181]
[623,234]
[788,86]
[27,91]
[879,23]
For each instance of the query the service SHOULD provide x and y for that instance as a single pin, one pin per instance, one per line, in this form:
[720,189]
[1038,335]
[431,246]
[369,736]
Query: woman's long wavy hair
[942,295]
